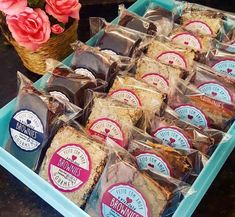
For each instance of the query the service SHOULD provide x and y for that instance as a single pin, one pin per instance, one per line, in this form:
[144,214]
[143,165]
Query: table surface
[16,200]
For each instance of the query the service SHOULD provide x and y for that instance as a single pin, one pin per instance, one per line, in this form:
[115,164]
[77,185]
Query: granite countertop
[16,200]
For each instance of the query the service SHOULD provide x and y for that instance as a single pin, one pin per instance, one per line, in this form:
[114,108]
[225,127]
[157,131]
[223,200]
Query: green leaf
[36,3]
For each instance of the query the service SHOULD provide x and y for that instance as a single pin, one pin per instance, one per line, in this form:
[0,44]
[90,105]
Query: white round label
[84,72]
[188,40]
[198,26]
[59,95]
[26,130]
[173,58]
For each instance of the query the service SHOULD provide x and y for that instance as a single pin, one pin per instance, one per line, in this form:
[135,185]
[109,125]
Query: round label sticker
[123,200]
[126,96]
[215,90]
[231,48]
[105,127]
[198,26]
[69,168]
[192,115]
[152,161]
[173,58]
[225,66]
[173,137]
[59,95]
[84,72]
[156,80]
[109,52]
[26,130]
[187,39]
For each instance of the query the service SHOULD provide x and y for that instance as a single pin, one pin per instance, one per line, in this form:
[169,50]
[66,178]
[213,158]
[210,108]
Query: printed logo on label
[198,26]
[123,200]
[172,136]
[105,127]
[192,115]
[187,39]
[173,58]
[231,48]
[215,90]
[59,95]
[154,162]
[26,130]
[156,80]
[225,66]
[84,72]
[110,52]
[69,168]
[126,96]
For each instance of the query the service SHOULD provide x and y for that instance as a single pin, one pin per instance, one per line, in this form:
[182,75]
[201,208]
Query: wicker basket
[57,47]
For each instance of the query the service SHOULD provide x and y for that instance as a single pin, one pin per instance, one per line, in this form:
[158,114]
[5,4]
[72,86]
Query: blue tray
[56,199]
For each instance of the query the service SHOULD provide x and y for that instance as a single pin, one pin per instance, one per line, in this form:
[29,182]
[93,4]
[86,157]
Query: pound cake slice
[73,164]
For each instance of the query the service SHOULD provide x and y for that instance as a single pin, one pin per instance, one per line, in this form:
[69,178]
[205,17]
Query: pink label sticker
[188,40]
[148,160]
[198,26]
[173,58]
[69,168]
[123,200]
[105,127]
[192,115]
[156,80]
[225,66]
[216,91]
[126,96]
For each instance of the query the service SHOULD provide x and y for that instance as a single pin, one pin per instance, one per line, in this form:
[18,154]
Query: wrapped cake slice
[195,41]
[123,190]
[112,119]
[161,159]
[73,164]
[201,20]
[67,84]
[215,85]
[156,73]
[171,54]
[138,94]
[133,21]
[161,17]
[36,117]
[172,131]
[199,109]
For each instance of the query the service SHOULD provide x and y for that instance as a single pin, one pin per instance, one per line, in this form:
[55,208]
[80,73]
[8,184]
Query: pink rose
[63,9]
[12,7]
[57,29]
[30,28]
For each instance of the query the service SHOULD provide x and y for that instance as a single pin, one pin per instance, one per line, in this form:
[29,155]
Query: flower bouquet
[40,29]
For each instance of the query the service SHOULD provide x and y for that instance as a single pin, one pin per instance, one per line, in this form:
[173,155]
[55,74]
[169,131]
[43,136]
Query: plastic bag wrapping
[200,19]
[161,17]
[171,54]
[156,73]
[115,39]
[36,117]
[221,62]
[110,118]
[176,163]
[197,108]
[215,85]
[199,43]
[138,94]
[228,41]
[74,163]
[133,21]
[123,189]
[67,84]
[172,131]
[93,63]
